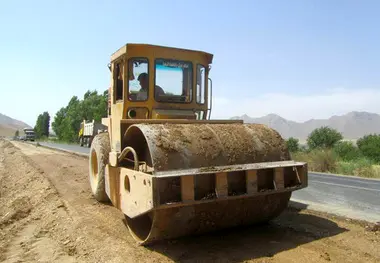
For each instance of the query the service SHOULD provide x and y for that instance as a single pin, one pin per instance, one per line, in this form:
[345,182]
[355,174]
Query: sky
[300,59]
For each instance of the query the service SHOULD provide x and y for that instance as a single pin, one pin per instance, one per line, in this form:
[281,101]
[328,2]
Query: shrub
[322,160]
[327,160]
[369,146]
[353,167]
[292,144]
[347,151]
[323,137]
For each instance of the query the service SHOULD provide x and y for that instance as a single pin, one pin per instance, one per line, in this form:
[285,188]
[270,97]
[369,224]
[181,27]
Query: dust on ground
[47,214]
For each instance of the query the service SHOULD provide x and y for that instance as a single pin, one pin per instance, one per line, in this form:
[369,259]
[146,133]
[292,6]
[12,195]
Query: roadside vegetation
[326,151]
[42,126]
[67,120]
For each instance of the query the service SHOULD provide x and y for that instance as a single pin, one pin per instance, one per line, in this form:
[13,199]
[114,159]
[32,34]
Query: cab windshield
[173,80]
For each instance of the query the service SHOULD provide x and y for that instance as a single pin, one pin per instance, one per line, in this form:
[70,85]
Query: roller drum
[168,147]
[184,146]
[198,219]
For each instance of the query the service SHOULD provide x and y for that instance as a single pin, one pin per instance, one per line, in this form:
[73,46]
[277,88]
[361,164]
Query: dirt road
[47,214]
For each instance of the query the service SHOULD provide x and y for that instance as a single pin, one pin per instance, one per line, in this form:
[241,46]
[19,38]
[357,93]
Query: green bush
[323,137]
[327,160]
[321,160]
[292,144]
[347,151]
[369,146]
[354,167]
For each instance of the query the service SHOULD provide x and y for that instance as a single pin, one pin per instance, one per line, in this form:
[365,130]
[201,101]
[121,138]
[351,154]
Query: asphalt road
[68,147]
[349,196]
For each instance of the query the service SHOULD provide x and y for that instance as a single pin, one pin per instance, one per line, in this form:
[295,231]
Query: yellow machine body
[170,169]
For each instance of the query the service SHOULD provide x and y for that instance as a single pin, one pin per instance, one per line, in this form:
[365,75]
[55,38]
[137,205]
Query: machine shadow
[289,230]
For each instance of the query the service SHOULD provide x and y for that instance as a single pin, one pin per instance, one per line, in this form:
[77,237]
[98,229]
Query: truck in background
[88,130]
[29,135]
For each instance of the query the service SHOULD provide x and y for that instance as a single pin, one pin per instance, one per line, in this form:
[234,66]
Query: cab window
[138,79]
[201,84]
[118,78]
[173,81]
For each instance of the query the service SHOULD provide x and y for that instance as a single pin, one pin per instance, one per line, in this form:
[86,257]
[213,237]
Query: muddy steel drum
[171,148]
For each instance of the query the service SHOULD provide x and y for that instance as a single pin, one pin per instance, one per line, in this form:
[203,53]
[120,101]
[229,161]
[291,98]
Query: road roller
[171,169]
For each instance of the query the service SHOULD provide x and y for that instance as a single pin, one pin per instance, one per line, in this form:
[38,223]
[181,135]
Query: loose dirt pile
[47,214]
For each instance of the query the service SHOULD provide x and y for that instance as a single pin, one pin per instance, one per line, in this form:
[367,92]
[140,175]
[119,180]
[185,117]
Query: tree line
[67,120]
[327,138]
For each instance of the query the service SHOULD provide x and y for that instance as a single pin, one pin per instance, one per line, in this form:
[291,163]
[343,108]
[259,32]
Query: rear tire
[98,160]
[81,141]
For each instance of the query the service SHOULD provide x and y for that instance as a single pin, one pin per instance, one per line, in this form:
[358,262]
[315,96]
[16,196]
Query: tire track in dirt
[66,224]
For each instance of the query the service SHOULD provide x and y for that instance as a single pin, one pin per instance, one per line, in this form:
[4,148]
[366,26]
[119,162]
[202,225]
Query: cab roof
[124,50]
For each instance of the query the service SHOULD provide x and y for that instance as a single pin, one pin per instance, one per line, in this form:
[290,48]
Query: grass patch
[327,161]
[318,160]
[55,140]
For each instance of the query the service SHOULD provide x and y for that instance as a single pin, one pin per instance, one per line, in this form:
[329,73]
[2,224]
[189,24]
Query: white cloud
[299,107]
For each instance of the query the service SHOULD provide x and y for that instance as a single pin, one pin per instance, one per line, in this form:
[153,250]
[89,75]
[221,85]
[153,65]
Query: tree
[323,137]
[347,150]
[58,121]
[42,125]
[94,106]
[67,120]
[293,144]
[369,145]
[46,124]
[17,133]
[72,120]
[38,126]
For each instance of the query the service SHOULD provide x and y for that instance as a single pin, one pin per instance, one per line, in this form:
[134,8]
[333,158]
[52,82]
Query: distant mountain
[352,125]
[8,126]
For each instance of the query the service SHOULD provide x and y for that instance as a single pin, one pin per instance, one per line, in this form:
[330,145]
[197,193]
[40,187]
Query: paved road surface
[348,196]
[343,195]
[68,147]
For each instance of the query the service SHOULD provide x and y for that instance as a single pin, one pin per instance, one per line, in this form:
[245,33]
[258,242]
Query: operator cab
[161,82]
